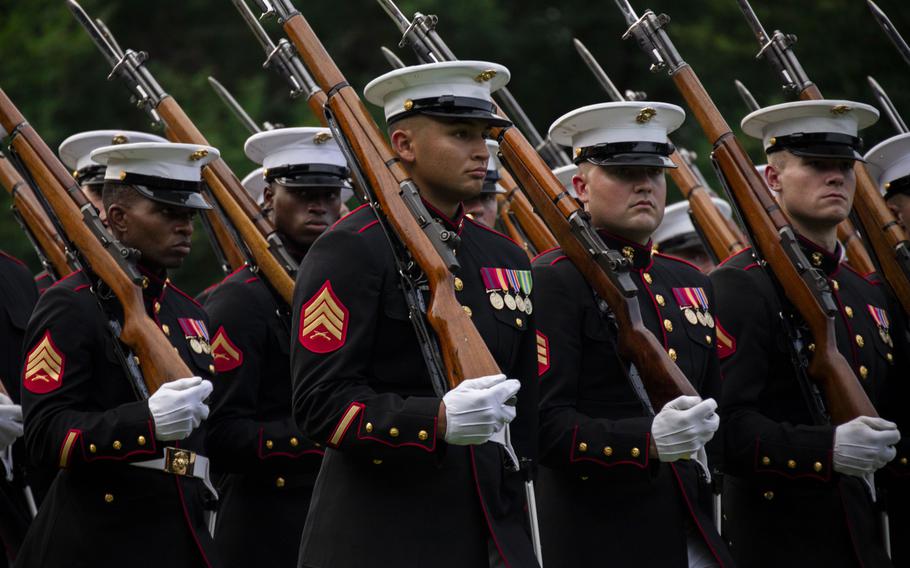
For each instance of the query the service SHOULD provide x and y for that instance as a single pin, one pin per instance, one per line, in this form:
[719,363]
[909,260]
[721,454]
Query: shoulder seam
[495,232]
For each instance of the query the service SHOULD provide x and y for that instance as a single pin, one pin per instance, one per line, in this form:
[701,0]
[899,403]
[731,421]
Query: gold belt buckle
[179,461]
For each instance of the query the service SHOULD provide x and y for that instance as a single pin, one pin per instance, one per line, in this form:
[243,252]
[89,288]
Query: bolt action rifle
[267,254]
[897,121]
[712,226]
[773,237]
[879,227]
[857,256]
[107,258]
[605,269]
[52,250]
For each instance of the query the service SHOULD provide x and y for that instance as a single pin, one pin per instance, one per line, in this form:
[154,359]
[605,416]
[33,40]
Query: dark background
[57,78]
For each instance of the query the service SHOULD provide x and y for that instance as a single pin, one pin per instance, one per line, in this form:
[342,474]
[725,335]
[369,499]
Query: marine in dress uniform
[18,295]
[397,488]
[484,208]
[616,486]
[889,165]
[132,472]
[252,436]
[794,490]
[677,236]
[889,161]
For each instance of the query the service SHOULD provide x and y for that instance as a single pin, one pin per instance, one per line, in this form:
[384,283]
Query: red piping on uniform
[694,517]
[367,226]
[558,258]
[850,334]
[603,463]
[356,209]
[88,457]
[677,259]
[748,266]
[732,256]
[67,277]
[170,285]
[189,524]
[282,454]
[241,268]
[251,280]
[654,301]
[401,445]
[850,528]
[495,232]
[483,507]
[11,257]
[540,254]
[81,287]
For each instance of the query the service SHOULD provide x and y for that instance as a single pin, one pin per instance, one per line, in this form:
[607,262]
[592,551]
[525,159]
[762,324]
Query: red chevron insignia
[543,354]
[227,356]
[323,321]
[44,367]
[726,343]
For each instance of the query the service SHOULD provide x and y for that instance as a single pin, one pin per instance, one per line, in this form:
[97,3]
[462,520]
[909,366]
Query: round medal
[690,316]
[206,348]
[519,303]
[883,334]
[195,346]
[529,309]
[701,319]
[710,319]
[496,301]
[510,301]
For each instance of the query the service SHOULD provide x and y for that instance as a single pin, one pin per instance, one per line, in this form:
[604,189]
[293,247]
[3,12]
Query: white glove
[476,409]
[683,427]
[177,407]
[10,421]
[864,445]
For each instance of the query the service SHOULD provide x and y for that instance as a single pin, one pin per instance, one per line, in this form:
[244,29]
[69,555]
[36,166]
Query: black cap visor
[453,108]
[634,154]
[310,176]
[898,186]
[175,197]
[826,145]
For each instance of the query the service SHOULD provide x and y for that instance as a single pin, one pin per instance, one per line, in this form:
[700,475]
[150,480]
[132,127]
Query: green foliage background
[55,75]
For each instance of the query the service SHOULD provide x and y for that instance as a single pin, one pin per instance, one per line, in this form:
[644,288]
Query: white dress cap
[822,128]
[565,174]
[621,133]
[889,165]
[300,157]
[677,230]
[254,183]
[457,89]
[75,152]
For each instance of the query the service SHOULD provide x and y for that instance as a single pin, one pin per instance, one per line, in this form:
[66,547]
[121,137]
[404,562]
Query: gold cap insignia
[645,114]
[816,259]
[199,154]
[485,75]
[322,137]
[577,152]
[265,173]
[408,104]
[75,173]
[772,141]
[841,109]
[119,139]
[122,176]
[628,252]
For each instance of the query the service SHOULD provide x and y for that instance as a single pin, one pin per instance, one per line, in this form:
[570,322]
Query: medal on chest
[693,302]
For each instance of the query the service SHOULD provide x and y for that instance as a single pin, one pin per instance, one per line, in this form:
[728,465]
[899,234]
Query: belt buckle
[179,461]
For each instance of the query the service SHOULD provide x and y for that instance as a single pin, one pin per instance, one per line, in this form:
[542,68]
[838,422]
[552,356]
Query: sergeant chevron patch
[227,356]
[44,366]
[323,321]
[543,354]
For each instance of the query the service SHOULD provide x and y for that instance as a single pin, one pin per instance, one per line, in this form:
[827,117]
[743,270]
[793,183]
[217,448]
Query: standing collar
[639,254]
[828,262]
[156,281]
[456,223]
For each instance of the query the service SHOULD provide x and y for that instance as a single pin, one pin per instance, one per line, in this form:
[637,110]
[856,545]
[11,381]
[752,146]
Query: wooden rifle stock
[531,225]
[719,234]
[663,380]
[768,225]
[857,255]
[159,362]
[510,224]
[464,353]
[880,228]
[255,230]
[35,218]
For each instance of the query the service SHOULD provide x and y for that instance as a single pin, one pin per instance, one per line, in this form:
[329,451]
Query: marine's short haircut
[120,193]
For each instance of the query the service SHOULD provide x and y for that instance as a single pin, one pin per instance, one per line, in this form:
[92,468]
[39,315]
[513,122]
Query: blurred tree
[53,72]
